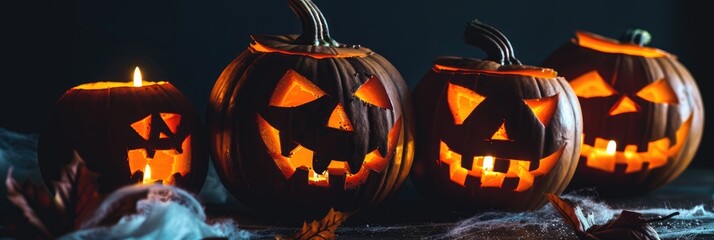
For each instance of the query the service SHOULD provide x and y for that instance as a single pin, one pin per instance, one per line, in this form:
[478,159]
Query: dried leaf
[30,225]
[77,190]
[628,225]
[324,229]
[46,216]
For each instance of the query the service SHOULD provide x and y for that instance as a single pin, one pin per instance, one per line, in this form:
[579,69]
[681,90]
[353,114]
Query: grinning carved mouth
[483,169]
[300,159]
[658,151]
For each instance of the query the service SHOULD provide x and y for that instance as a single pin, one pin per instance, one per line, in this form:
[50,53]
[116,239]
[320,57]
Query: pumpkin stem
[492,41]
[637,36]
[314,26]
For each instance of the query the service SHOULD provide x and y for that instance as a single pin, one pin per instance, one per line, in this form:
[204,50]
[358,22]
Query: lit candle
[489,177]
[147,174]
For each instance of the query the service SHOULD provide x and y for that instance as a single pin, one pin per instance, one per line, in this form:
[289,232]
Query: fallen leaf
[46,215]
[628,225]
[324,229]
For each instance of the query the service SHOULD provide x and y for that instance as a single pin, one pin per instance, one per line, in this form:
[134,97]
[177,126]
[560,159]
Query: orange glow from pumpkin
[501,133]
[658,92]
[137,77]
[529,72]
[482,168]
[611,147]
[301,158]
[603,155]
[137,81]
[343,52]
[165,163]
[607,45]
[591,84]
[294,90]
[624,105]
[543,108]
[339,120]
[373,92]
[462,101]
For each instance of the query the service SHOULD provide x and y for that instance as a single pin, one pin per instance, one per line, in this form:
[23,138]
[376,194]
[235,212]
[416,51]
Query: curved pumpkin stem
[314,25]
[636,36]
[492,41]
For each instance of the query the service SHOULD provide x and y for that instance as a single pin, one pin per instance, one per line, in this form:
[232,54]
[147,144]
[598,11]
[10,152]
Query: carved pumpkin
[642,111]
[121,130]
[494,133]
[300,124]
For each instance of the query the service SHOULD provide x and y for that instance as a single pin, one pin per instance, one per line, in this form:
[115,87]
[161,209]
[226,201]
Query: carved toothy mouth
[484,169]
[300,159]
[658,151]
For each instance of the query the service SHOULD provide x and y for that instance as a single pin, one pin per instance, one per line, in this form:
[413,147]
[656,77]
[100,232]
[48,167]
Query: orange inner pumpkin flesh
[165,162]
[657,154]
[343,53]
[610,46]
[106,85]
[483,166]
[301,158]
[531,72]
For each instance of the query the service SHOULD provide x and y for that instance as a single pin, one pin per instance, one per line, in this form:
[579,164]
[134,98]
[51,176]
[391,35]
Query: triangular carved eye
[543,108]
[373,92]
[590,85]
[658,92]
[462,101]
[294,90]
[166,127]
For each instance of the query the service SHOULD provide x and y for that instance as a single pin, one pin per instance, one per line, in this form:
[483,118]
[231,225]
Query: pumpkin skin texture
[117,129]
[300,124]
[640,100]
[494,134]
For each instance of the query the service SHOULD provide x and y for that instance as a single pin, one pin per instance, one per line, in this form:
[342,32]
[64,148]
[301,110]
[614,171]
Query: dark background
[51,46]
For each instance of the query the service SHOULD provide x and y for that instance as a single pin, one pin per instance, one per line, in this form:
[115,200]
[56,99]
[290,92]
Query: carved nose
[500,134]
[339,120]
[624,105]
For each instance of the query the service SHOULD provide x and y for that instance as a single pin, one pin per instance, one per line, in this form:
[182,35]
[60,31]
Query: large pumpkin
[642,111]
[494,133]
[300,124]
[120,131]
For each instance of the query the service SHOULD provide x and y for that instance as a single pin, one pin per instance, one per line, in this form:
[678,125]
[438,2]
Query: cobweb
[545,223]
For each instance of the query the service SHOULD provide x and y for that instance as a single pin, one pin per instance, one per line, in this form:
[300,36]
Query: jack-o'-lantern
[494,133]
[127,133]
[642,111]
[300,124]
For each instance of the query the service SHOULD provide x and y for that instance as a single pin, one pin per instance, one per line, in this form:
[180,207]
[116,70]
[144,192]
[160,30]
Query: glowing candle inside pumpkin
[489,177]
[147,174]
[611,147]
[137,77]
[487,164]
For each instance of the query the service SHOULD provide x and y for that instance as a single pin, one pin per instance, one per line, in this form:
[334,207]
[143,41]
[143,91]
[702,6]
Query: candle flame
[611,147]
[487,164]
[137,77]
[147,174]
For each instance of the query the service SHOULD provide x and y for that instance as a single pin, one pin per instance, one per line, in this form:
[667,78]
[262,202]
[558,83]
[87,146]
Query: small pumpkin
[642,110]
[120,131]
[300,124]
[494,133]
